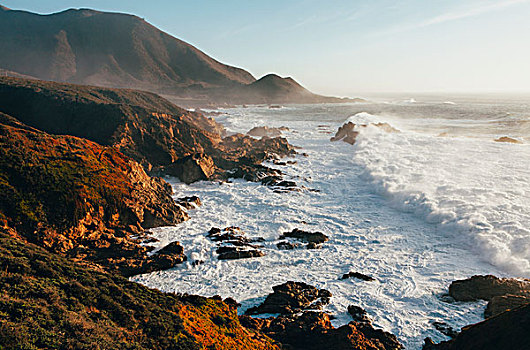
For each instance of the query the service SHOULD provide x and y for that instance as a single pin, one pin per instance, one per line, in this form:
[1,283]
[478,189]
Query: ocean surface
[438,201]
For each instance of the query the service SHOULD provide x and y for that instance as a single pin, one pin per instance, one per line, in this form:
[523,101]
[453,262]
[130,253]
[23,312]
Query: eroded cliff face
[82,199]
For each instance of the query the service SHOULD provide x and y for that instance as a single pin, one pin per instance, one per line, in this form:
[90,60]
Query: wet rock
[359,314]
[500,304]
[445,329]
[313,331]
[233,244]
[349,131]
[284,245]
[507,331]
[192,168]
[260,131]
[313,245]
[486,287]
[346,133]
[357,275]
[314,238]
[507,139]
[229,253]
[292,297]
[190,202]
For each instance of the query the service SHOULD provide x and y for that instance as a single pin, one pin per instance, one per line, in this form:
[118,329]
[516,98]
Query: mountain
[274,89]
[84,46]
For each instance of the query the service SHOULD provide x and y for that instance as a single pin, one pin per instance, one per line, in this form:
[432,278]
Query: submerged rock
[190,202]
[349,131]
[445,329]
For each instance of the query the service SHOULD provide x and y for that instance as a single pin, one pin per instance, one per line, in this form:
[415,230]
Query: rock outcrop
[349,131]
[298,329]
[357,275]
[292,297]
[487,287]
[508,331]
[265,131]
[314,240]
[232,243]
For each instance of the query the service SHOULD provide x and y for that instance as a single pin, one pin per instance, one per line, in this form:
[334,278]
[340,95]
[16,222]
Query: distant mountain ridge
[90,47]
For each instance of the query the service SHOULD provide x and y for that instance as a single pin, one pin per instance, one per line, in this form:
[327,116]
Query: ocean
[416,209]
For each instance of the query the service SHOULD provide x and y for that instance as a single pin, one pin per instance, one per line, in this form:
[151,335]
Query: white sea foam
[412,210]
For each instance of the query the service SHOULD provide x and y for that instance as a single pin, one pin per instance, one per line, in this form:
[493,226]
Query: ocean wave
[476,192]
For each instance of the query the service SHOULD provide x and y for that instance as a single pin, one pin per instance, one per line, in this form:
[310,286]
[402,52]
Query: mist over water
[438,201]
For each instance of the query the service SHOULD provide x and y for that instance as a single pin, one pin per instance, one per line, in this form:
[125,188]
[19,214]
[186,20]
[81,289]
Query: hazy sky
[349,47]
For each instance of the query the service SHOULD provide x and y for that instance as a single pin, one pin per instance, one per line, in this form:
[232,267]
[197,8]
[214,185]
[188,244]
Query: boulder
[292,297]
[305,236]
[486,287]
[349,131]
[359,314]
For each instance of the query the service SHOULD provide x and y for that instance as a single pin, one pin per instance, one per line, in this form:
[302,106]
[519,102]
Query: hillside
[162,137]
[84,46]
[49,302]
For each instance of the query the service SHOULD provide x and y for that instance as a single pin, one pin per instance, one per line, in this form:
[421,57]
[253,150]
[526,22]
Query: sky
[348,47]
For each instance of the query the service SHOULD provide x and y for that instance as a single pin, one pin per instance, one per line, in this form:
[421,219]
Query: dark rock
[235,245]
[500,304]
[192,168]
[487,287]
[348,132]
[284,245]
[232,303]
[313,331]
[292,297]
[230,253]
[190,202]
[304,236]
[173,248]
[313,245]
[359,314]
[507,331]
[445,329]
[357,275]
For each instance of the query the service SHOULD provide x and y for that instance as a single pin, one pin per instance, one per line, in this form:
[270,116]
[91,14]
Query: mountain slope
[119,50]
[108,49]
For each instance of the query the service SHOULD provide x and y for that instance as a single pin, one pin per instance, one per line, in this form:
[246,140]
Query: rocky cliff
[79,198]
[142,125]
